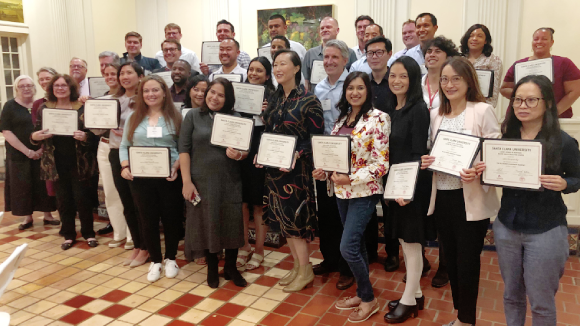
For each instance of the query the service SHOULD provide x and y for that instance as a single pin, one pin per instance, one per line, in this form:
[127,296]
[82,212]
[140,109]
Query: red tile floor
[87,286]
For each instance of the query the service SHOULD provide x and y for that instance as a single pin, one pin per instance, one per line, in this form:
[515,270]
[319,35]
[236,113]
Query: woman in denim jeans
[359,192]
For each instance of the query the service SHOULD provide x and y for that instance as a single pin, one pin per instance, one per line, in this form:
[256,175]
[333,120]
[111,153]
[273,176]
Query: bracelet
[239,158]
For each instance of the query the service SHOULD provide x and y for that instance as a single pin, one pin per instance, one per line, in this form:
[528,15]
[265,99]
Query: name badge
[326,106]
[154,132]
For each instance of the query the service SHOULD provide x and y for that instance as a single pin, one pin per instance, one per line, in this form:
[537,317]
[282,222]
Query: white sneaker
[154,272]
[129,245]
[171,268]
[116,243]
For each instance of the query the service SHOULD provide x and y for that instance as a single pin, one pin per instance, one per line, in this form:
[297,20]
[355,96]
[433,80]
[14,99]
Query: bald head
[328,29]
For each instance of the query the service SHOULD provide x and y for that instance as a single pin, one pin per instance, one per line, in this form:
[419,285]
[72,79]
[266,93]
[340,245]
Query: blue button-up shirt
[361,65]
[414,52]
[325,91]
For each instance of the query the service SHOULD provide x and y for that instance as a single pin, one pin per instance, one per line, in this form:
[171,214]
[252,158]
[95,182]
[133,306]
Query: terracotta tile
[223,294]
[173,310]
[155,320]
[79,301]
[333,319]
[303,320]
[76,317]
[115,296]
[230,309]
[267,281]
[319,305]
[287,309]
[274,320]
[298,299]
[180,323]
[188,300]
[216,320]
[115,311]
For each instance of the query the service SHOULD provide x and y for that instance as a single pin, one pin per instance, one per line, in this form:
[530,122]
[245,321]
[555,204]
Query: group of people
[390,105]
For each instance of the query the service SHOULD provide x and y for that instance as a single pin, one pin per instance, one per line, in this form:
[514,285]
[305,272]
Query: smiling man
[361,24]
[362,64]
[425,28]
[225,30]
[411,41]
[133,44]
[173,32]
[277,27]
[180,72]
[229,52]
[78,71]
[171,53]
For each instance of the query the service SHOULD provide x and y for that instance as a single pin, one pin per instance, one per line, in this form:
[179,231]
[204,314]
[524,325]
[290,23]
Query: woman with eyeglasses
[462,206]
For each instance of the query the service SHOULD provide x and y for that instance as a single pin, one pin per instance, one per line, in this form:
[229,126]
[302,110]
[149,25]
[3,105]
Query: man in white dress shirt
[362,64]
[78,71]
[361,24]
[173,32]
[410,40]
[277,26]
[229,51]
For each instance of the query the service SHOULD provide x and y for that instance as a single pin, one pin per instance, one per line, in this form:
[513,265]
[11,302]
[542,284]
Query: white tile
[194,316]
[237,322]
[277,272]
[276,294]
[255,289]
[96,320]
[202,291]
[265,304]
[209,305]
[277,255]
[243,299]
[252,315]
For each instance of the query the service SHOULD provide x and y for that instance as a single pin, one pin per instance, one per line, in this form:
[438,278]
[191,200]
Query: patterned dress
[289,196]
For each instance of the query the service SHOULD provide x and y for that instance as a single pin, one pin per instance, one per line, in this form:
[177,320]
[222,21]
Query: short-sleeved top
[17,119]
[564,70]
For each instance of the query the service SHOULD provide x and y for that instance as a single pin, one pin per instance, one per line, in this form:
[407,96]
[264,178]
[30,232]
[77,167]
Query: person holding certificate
[358,193]
[155,123]
[289,194]
[563,73]
[530,230]
[462,206]
[68,160]
[212,187]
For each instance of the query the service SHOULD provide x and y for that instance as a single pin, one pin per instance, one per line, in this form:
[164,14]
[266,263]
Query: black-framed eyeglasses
[378,53]
[169,50]
[531,102]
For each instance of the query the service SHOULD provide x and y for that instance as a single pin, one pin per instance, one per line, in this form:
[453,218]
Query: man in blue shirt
[411,41]
[362,64]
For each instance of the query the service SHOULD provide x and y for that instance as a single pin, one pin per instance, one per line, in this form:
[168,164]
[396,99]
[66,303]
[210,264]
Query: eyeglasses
[60,86]
[379,53]
[169,50]
[455,80]
[172,33]
[531,102]
[77,66]
[25,86]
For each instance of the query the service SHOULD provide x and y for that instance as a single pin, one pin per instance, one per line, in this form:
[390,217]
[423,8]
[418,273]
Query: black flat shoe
[92,243]
[106,229]
[401,314]
[213,281]
[391,263]
[25,226]
[66,245]
[51,222]
[420,303]
[441,278]
[234,275]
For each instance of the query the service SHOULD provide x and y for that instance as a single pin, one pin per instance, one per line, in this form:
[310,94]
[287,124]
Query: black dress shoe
[344,282]
[92,243]
[51,222]
[320,269]
[106,229]
[234,275]
[391,263]
[401,314]
[420,303]
[441,278]
[25,226]
[424,273]
[66,245]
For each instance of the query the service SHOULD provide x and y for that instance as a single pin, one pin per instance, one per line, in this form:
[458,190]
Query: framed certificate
[166,75]
[178,105]
[276,150]
[486,78]
[265,52]
[62,122]
[535,67]
[231,131]
[402,181]
[184,111]
[150,161]
[317,74]
[236,78]
[331,153]
[249,98]
[453,152]
[210,52]
[97,86]
[512,163]
[102,114]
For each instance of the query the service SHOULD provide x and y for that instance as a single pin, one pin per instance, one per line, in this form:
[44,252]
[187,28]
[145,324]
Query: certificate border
[491,82]
[289,166]
[458,133]
[258,52]
[516,79]
[89,82]
[349,151]
[219,76]
[414,185]
[68,110]
[156,147]
[232,116]
[312,70]
[542,167]
[251,85]
[118,112]
[209,63]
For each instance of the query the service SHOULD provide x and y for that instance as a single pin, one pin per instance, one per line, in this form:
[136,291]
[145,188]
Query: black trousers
[462,242]
[391,245]
[74,195]
[155,199]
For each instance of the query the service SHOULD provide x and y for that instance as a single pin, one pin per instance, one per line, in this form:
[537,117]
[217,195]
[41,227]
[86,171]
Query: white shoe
[171,268]
[116,243]
[129,245]
[154,272]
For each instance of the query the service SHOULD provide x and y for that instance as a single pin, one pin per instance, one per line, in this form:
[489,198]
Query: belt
[105,140]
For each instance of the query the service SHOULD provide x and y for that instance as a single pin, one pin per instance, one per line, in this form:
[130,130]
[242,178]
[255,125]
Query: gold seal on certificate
[265,52]
[166,76]
[402,181]
[331,153]
[230,131]
[453,152]
[317,74]
[210,53]
[97,86]
[60,121]
[276,150]
[150,162]
[512,163]
[543,67]
[249,98]
[102,114]
[237,78]
[486,78]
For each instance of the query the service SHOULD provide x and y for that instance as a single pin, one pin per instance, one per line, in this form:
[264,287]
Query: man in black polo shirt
[378,52]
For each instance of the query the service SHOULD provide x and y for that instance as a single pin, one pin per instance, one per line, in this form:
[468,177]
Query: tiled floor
[87,286]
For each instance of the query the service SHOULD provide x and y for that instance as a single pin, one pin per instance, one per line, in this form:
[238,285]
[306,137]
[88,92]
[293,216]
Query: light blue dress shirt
[361,65]
[325,91]
[414,52]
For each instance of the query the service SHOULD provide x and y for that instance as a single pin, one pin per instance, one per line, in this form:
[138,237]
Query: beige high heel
[303,280]
[291,275]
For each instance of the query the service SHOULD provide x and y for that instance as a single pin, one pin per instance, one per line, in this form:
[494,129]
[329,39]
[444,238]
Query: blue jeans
[532,265]
[355,214]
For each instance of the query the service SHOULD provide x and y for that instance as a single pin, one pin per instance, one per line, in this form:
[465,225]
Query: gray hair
[340,45]
[19,79]
[107,54]
[83,60]
[50,70]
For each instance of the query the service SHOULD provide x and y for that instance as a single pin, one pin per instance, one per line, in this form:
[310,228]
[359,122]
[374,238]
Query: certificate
[486,79]
[97,86]
[178,105]
[231,131]
[231,77]
[512,163]
[249,98]
[331,153]
[150,161]
[402,181]
[265,52]
[184,111]
[102,114]
[166,75]
[210,53]
[276,150]
[62,122]
[543,67]
[317,74]
[453,152]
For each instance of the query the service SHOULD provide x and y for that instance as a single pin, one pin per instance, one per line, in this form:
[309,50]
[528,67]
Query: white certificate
[453,152]
[210,53]
[249,98]
[62,122]
[231,77]
[543,67]
[265,52]
[184,111]
[486,79]
[97,86]
[317,74]
[102,114]
[276,150]
[331,153]
[402,181]
[178,105]
[231,131]
[166,75]
[512,163]
[150,162]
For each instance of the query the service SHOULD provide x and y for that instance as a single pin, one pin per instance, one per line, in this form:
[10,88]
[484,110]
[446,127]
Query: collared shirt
[380,92]
[177,97]
[325,91]
[84,87]
[294,46]
[359,53]
[149,64]
[414,52]
[361,65]
[432,101]
[316,54]
[186,54]
[237,70]
[243,61]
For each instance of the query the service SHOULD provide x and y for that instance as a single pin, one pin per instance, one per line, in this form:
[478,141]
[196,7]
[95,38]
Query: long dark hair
[344,107]
[268,67]
[415,92]
[465,69]
[191,84]
[487,48]
[550,132]
[138,70]
[295,61]
[228,107]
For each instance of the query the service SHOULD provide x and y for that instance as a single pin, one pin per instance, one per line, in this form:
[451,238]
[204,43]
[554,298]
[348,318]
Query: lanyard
[431,98]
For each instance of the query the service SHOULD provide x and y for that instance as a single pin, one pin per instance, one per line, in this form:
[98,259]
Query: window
[10,65]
